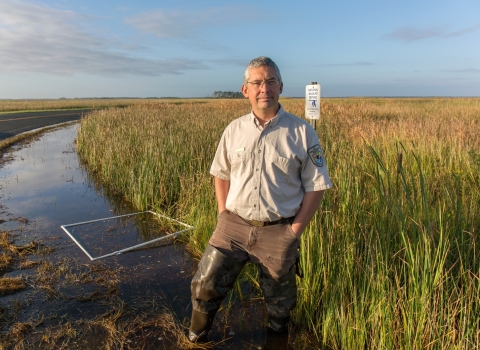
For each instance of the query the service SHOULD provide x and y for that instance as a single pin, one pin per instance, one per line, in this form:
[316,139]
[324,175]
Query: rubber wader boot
[213,280]
[200,324]
[278,324]
[280,298]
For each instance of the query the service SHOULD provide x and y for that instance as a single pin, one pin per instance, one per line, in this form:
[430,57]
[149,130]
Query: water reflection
[45,183]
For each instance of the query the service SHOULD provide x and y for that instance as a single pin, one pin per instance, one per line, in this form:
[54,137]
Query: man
[269,180]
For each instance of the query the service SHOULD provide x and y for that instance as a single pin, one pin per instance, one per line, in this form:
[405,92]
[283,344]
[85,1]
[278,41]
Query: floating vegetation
[11,285]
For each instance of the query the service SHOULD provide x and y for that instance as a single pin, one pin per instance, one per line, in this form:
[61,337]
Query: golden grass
[52,277]
[5,261]
[7,245]
[20,328]
[7,106]
[11,285]
[8,254]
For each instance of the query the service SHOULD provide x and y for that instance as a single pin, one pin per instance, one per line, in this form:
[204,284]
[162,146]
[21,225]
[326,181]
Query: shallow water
[43,186]
[45,183]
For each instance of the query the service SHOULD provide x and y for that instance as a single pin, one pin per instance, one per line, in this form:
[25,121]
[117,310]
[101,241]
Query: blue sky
[60,48]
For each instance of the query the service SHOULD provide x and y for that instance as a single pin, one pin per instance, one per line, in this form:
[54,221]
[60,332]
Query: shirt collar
[272,122]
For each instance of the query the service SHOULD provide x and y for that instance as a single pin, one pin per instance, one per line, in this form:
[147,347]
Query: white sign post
[312,102]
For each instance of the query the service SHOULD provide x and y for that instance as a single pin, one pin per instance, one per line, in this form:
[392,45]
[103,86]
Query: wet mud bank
[60,299]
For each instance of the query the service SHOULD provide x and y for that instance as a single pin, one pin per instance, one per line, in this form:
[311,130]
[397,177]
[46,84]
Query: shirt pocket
[278,169]
[240,163]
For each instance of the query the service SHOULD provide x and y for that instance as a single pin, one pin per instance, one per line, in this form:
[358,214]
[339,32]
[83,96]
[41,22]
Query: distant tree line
[227,94]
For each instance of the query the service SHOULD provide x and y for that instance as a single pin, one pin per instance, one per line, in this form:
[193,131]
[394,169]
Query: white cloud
[466,70]
[161,24]
[351,64]
[463,31]
[410,34]
[239,62]
[42,39]
[187,24]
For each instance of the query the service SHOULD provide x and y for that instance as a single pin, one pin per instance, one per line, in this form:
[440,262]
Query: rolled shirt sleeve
[314,173]
[221,164]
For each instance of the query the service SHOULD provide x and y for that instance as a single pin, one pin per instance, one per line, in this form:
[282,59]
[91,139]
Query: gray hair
[260,62]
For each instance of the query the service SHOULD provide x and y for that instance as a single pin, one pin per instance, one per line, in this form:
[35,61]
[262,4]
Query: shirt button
[238,154]
[254,205]
[257,169]
[259,151]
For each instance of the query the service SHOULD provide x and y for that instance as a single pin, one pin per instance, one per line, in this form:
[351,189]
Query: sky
[190,48]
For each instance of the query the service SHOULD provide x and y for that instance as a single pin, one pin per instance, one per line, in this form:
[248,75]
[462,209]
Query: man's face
[263,90]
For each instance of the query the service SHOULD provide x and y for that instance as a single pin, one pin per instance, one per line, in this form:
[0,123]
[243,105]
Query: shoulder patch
[316,155]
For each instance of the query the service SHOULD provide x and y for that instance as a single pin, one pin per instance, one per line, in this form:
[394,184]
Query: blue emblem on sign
[316,155]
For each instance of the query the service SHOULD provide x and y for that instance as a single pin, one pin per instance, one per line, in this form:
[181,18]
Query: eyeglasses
[259,83]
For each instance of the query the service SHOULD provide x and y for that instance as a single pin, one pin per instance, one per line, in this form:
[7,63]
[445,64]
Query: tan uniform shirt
[270,169]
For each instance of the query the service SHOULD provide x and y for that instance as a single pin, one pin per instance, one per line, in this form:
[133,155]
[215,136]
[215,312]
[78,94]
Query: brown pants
[234,242]
[274,247]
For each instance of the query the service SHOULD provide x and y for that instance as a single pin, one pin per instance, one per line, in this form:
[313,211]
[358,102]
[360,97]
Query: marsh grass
[28,248]
[391,260]
[13,256]
[10,249]
[5,261]
[8,106]
[11,285]
[57,279]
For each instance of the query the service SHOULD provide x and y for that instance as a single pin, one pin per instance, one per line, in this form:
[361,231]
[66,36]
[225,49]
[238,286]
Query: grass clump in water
[11,285]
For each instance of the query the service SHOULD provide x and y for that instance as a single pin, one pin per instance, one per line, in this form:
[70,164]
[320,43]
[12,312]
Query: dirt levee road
[16,123]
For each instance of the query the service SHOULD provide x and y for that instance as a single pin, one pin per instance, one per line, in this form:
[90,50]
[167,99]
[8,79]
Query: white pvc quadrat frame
[118,252]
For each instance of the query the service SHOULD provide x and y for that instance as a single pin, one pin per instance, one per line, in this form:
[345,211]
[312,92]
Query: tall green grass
[391,259]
